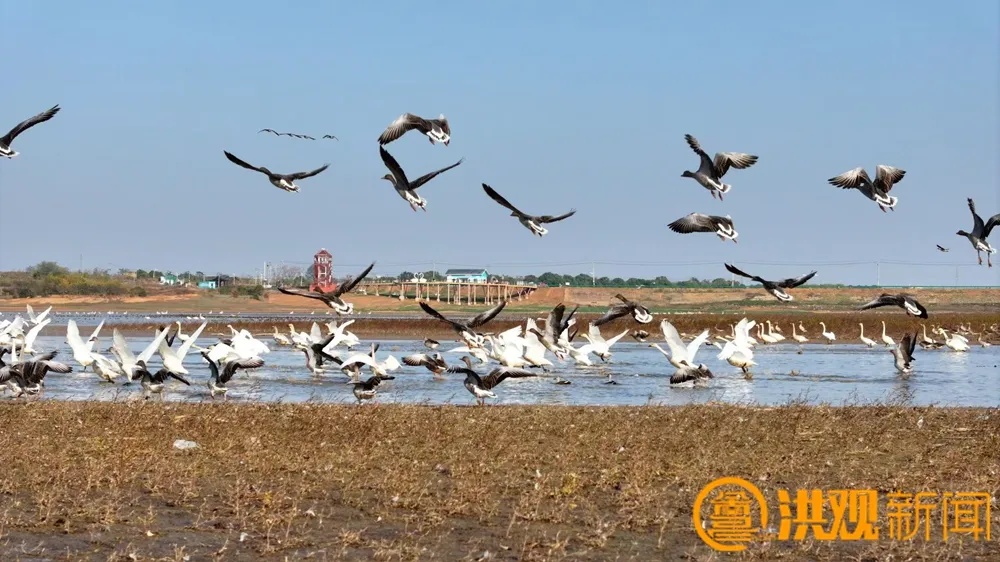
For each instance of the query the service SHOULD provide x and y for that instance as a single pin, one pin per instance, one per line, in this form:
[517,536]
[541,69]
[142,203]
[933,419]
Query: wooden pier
[453,293]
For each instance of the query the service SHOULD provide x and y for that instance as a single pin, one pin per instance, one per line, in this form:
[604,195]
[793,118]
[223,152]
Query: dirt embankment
[659,300]
[103,481]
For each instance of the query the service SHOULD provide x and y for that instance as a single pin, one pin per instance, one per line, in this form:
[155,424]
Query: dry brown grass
[843,324]
[101,481]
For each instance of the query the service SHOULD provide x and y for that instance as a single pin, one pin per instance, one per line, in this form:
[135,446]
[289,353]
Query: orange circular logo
[737,512]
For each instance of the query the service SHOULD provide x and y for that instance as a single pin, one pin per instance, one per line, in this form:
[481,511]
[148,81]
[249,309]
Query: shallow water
[838,374]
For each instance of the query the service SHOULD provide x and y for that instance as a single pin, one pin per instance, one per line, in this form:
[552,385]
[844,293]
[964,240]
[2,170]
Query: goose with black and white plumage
[437,130]
[217,380]
[333,298]
[8,139]
[531,222]
[698,222]
[903,353]
[285,182]
[431,343]
[877,191]
[434,363]
[617,310]
[776,288]
[941,248]
[405,188]
[27,377]
[466,329]
[980,230]
[710,172]
[902,300]
[640,335]
[482,387]
[154,383]
[366,389]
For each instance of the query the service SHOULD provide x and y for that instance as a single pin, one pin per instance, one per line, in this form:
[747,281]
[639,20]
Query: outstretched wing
[994,220]
[400,126]
[243,164]
[550,218]
[738,160]
[616,311]
[882,300]
[427,308]
[795,281]
[394,168]
[695,222]
[741,273]
[350,285]
[428,177]
[500,199]
[29,123]
[485,316]
[304,175]
[303,293]
[498,375]
[851,179]
[887,176]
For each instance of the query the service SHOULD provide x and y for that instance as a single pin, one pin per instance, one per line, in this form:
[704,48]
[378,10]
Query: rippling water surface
[835,374]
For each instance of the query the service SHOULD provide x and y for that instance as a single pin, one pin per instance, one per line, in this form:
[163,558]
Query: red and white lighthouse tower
[323,272]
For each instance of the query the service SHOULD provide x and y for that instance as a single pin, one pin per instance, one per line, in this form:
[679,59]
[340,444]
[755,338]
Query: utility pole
[81,262]
[593,274]
[878,274]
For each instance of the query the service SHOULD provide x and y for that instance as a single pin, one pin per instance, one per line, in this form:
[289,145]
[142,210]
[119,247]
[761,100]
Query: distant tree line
[49,278]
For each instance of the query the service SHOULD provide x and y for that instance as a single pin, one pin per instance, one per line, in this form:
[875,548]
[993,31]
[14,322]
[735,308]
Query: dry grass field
[102,481]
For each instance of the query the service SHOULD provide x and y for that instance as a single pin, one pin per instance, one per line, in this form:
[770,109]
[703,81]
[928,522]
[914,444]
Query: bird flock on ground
[516,351]
[519,352]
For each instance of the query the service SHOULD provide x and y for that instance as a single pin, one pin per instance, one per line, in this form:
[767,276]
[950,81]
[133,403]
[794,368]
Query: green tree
[47,269]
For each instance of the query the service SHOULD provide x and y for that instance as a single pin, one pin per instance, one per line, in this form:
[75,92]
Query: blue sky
[556,109]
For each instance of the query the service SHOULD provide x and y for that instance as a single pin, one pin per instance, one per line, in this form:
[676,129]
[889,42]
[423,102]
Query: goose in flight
[466,329]
[293,135]
[37,318]
[434,363]
[437,130]
[482,387]
[405,188]
[130,363]
[617,310]
[640,335]
[333,298]
[599,346]
[980,231]
[902,300]
[710,172]
[681,356]
[697,222]
[217,381]
[903,353]
[6,140]
[532,223]
[379,368]
[281,181]
[26,377]
[877,191]
[154,383]
[431,343]
[317,355]
[556,336]
[173,361]
[776,288]
[82,351]
[941,248]
[366,389]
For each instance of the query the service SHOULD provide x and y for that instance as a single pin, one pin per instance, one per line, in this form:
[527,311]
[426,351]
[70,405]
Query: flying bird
[532,223]
[776,288]
[333,298]
[437,130]
[6,140]
[640,335]
[697,222]
[294,135]
[466,328]
[366,389]
[980,231]
[482,387]
[902,300]
[330,137]
[903,352]
[433,363]
[710,172]
[942,248]
[281,181]
[217,381]
[617,310]
[877,191]
[405,188]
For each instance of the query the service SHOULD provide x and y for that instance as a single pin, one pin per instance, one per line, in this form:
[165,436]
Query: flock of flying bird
[515,351]
[710,174]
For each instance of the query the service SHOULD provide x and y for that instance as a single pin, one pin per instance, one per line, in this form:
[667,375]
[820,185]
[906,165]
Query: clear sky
[557,105]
